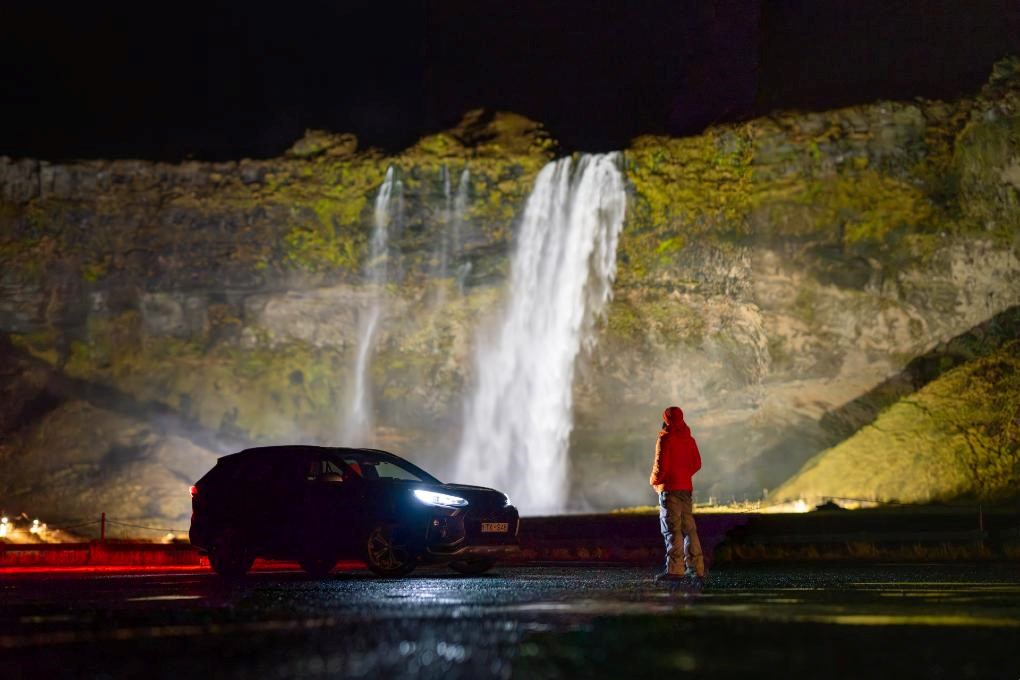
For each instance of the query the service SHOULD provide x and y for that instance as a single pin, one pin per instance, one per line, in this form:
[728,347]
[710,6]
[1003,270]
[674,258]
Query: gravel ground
[930,621]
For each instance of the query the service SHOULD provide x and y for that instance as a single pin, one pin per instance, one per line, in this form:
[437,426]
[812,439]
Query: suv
[317,505]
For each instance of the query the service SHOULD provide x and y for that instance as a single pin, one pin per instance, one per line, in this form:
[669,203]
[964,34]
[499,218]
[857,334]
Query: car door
[284,510]
[332,507]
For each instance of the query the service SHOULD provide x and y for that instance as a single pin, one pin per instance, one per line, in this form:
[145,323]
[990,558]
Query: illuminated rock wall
[768,274]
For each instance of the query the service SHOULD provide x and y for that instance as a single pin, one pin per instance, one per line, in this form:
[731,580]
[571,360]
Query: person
[677,459]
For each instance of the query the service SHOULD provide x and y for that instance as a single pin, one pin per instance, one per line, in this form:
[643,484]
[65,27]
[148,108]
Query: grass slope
[958,437]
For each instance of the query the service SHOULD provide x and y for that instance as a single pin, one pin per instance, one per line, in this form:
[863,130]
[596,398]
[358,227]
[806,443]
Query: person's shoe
[692,575]
[666,577]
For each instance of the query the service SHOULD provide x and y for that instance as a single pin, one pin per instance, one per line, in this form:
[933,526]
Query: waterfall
[459,220]
[358,425]
[519,417]
[451,220]
[446,216]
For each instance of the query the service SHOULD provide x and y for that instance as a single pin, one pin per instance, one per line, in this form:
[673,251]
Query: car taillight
[194,491]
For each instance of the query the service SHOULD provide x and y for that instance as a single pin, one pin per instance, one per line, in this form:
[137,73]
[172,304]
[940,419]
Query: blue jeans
[676,520]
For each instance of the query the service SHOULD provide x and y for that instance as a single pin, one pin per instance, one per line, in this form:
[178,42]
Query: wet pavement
[926,621]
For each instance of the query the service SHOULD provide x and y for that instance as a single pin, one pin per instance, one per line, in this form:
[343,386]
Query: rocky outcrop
[768,274]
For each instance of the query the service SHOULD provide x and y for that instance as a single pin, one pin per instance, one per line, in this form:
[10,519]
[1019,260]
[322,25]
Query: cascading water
[445,218]
[358,425]
[459,220]
[519,418]
[452,222]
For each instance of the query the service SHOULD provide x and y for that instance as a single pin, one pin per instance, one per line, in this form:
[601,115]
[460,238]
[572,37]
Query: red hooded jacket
[676,454]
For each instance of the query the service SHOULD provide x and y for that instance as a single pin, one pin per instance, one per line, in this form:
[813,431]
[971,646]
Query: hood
[673,421]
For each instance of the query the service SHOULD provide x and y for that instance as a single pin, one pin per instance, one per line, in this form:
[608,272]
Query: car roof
[291,449]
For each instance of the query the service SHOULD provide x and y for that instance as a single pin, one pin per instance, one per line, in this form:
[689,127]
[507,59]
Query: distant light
[5,526]
[440,499]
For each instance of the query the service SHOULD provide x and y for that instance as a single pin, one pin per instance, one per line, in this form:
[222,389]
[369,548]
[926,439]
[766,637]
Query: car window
[372,466]
[327,470]
[384,469]
[329,466]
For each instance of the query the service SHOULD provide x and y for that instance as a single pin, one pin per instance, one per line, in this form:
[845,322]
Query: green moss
[438,145]
[93,271]
[624,322]
[769,181]
[106,338]
[251,390]
[775,178]
[665,323]
[989,185]
[668,247]
[686,178]
[27,255]
[959,436]
[869,206]
[40,344]
[317,248]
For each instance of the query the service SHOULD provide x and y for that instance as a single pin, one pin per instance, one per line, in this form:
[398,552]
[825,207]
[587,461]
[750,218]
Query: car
[318,505]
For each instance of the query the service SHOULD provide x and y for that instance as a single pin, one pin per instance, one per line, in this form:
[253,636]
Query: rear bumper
[199,534]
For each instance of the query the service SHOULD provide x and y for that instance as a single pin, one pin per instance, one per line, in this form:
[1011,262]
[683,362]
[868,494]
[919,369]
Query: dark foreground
[925,621]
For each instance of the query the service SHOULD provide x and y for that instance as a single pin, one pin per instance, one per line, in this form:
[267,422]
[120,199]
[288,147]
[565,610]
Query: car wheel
[228,556]
[387,552]
[472,567]
[318,567]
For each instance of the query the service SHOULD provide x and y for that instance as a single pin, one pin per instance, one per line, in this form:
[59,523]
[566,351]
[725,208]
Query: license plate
[495,527]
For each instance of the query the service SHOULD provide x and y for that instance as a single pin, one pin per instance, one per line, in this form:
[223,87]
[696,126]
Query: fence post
[981,526]
[102,528]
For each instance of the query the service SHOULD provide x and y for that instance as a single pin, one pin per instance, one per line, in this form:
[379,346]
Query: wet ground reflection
[906,621]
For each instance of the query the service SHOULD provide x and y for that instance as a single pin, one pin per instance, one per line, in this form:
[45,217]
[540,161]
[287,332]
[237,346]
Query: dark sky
[219,80]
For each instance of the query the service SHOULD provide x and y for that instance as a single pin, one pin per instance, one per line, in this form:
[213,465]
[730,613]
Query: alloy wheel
[387,552]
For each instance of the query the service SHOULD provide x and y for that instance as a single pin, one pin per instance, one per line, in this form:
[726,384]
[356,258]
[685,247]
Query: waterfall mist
[358,421]
[518,419]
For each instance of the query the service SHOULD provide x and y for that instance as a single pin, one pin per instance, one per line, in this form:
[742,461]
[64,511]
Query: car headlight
[441,499]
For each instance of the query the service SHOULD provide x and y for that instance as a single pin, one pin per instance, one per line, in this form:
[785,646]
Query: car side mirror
[332,478]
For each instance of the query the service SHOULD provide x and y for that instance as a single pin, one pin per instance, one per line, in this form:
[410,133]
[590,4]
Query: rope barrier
[77,523]
[139,526]
[73,526]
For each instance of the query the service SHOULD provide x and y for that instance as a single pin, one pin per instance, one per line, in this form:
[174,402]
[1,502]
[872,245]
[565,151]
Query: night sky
[221,80]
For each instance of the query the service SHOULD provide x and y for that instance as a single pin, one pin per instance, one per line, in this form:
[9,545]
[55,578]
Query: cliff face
[768,274]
